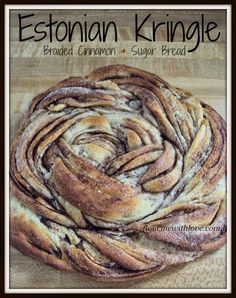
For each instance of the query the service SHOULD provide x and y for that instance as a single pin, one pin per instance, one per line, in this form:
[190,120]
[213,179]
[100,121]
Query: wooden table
[203,72]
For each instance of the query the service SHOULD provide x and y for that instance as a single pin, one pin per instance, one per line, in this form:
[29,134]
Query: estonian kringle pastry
[106,168]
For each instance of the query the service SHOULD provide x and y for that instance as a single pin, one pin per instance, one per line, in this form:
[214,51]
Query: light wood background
[203,72]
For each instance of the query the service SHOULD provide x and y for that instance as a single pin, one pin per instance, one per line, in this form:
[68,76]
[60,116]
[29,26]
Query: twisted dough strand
[101,163]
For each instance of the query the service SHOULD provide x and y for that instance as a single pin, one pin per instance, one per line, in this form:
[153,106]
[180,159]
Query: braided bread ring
[105,168]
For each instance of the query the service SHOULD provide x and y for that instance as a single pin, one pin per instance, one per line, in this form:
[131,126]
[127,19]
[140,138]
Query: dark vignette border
[2,105]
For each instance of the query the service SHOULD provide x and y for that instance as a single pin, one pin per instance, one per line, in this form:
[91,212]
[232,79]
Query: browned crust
[59,217]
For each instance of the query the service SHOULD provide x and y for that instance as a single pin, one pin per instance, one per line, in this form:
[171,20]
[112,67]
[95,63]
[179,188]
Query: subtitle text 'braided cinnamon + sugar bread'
[118,174]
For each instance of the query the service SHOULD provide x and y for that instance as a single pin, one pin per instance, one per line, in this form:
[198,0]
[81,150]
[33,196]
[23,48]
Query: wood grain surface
[203,72]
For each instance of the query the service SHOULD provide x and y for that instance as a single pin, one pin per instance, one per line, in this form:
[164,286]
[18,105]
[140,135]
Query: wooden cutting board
[203,72]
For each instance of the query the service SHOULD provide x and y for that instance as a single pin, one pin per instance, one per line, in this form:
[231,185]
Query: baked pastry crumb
[118,175]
